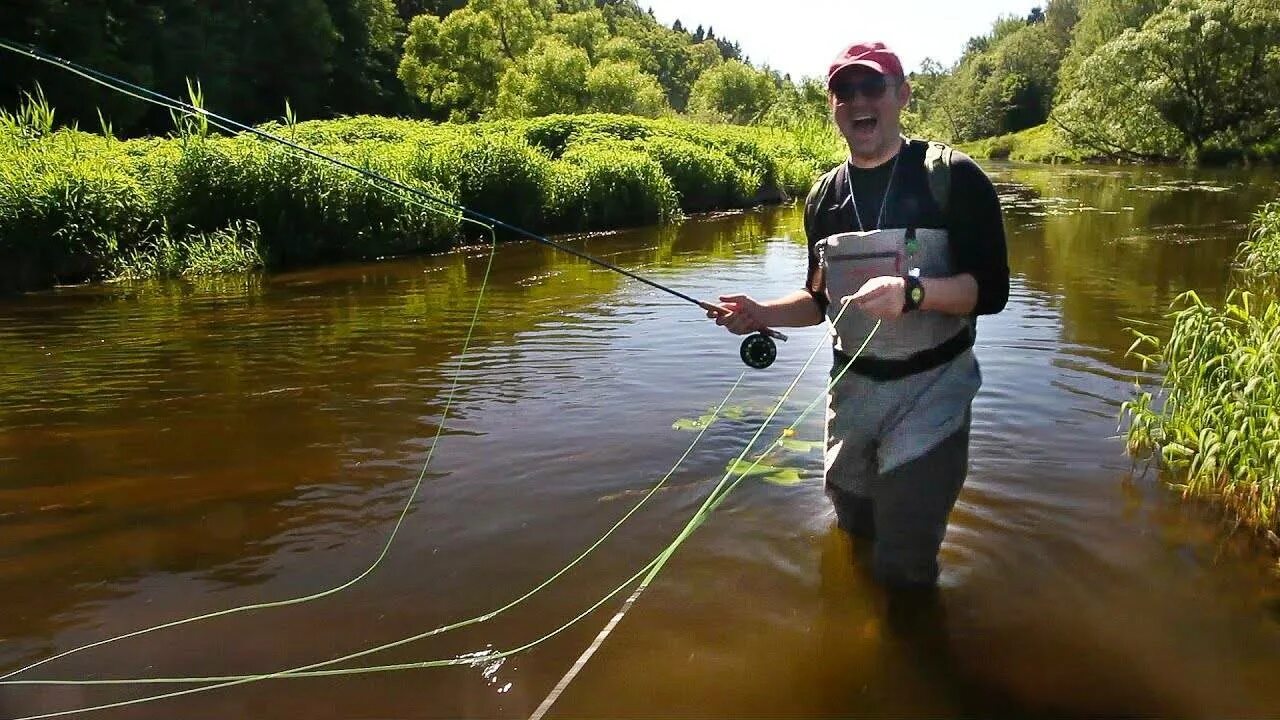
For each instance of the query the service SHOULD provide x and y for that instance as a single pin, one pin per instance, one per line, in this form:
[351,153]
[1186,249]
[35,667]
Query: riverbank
[1041,143]
[1214,423]
[1045,144]
[77,206]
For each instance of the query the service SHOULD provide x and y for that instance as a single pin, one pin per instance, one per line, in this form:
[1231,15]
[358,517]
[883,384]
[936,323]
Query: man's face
[869,124]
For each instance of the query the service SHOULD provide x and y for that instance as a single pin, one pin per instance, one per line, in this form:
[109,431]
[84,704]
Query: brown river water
[175,448]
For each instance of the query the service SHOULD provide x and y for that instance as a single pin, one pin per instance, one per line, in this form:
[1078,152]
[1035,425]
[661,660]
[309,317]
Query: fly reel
[758,351]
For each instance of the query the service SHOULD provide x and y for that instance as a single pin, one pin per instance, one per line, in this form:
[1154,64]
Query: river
[175,448]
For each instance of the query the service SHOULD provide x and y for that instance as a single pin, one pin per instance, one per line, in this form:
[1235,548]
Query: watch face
[917,294]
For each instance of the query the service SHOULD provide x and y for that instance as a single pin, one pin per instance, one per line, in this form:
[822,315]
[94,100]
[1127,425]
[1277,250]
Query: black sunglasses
[872,87]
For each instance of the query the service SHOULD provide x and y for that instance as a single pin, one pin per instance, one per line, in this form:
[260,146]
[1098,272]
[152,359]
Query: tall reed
[1215,421]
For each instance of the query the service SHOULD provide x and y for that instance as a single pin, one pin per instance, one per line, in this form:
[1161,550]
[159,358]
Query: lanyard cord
[853,199]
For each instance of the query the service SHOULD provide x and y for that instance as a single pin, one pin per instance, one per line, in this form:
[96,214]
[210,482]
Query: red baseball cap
[873,56]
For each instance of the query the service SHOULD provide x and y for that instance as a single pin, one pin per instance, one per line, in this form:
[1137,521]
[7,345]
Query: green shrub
[554,133]
[1042,143]
[1217,427]
[307,210]
[75,205]
[495,173]
[232,249]
[609,185]
[704,177]
[1258,257]
[68,204]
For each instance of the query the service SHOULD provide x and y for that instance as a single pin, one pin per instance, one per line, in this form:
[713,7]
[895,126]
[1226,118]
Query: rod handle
[721,311]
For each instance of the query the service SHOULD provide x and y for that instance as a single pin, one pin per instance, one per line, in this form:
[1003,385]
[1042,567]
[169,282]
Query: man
[909,235]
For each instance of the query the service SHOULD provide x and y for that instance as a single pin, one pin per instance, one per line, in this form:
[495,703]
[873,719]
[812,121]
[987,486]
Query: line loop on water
[433,204]
[646,575]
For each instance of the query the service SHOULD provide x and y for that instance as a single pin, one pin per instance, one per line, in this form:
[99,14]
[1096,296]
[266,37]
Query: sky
[800,37]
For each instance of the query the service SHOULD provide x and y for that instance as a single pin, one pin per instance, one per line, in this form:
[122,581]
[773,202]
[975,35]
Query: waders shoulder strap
[937,165]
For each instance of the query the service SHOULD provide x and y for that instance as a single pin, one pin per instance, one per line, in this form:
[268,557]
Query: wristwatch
[914,292]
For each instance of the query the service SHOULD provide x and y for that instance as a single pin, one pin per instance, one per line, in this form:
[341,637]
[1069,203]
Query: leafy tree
[550,79]
[931,111]
[586,30]
[624,49]
[1005,81]
[1197,70]
[798,105]
[622,87]
[410,9]
[665,56]
[452,65]
[732,92]
[1101,21]
[324,56]
[365,75]
[519,22]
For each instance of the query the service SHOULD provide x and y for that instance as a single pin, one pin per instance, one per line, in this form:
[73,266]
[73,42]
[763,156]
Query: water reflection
[173,448]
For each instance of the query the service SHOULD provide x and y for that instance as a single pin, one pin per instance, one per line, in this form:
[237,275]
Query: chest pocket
[851,259]
[848,260]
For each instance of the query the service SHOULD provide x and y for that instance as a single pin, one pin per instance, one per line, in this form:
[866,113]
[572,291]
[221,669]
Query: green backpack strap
[937,164]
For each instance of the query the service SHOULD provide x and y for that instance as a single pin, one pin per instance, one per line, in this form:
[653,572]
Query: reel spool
[758,351]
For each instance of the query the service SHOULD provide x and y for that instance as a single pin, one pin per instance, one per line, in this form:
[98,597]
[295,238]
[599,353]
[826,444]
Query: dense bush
[77,206]
[609,185]
[495,173]
[704,177]
[68,205]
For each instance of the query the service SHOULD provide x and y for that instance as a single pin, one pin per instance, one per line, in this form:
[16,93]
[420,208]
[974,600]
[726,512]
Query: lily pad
[800,446]
[697,423]
[768,473]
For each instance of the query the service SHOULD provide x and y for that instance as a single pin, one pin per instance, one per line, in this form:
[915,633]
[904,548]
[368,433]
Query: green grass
[79,206]
[1042,143]
[233,249]
[1259,257]
[1215,422]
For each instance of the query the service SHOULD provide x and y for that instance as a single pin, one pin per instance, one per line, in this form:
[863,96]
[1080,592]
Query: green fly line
[6,678]
[713,502]
[214,121]
[648,572]
[404,511]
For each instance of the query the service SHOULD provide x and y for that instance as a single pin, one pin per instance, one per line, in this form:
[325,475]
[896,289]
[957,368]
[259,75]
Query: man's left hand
[880,297]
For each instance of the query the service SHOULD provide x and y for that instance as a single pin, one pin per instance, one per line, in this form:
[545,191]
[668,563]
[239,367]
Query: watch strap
[913,292]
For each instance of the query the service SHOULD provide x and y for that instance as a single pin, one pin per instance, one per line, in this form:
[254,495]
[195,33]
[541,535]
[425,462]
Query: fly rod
[758,350]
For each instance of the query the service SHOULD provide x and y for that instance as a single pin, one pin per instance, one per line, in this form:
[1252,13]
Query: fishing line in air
[379,182]
[648,573]
[757,351]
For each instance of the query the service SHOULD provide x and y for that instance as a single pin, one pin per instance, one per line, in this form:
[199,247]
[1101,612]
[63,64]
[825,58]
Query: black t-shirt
[973,219]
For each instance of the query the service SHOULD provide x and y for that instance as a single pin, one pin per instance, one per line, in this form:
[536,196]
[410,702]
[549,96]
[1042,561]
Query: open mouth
[864,123]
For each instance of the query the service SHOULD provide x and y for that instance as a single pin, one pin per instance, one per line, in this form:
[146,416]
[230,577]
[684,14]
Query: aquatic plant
[232,249]
[1216,419]
[76,206]
[1259,256]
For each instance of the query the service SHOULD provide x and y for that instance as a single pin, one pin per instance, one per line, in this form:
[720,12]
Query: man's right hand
[740,314]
